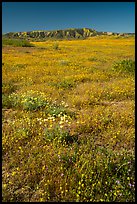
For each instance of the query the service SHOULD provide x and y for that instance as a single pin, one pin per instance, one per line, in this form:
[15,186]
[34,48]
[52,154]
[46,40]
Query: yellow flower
[13,173]
[43,168]
[5,185]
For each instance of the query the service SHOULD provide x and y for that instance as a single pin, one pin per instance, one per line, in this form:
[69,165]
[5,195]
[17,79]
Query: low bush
[27,101]
[56,46]
[6,103]
[8,88]
[66,84]
[125,66]
[57,134]
[16,42]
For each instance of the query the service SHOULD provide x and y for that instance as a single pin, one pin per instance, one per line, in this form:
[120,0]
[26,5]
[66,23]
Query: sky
[101,16]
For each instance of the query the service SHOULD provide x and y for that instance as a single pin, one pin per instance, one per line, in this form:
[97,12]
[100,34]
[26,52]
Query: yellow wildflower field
[68,121]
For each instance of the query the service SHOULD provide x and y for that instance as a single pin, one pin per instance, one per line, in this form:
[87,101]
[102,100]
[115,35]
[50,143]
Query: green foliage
[127,66]
[56,46]
[66,84]
[27,101]
[8,88]
[59,135]
[56,110]
[6,103]
[16,42]
[92,59]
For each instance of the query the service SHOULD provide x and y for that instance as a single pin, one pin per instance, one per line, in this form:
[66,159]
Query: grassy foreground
[68,121]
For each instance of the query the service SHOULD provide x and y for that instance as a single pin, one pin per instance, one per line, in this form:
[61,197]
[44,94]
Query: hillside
[72,33]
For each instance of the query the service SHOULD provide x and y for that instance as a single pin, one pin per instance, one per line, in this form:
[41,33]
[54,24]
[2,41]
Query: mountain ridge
[69,33]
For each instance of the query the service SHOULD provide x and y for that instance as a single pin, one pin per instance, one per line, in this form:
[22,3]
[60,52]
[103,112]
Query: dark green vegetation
[16,42]
[125,66]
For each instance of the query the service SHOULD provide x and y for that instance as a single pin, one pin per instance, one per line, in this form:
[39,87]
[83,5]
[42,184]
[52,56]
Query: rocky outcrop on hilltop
[72,33]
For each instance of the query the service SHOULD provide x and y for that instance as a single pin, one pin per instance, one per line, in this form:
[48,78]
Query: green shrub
[55,110]
[35,101]
[127,66]
[27,102]
[59,135]
[66,84]
[92,59]
[6,103]
[8,88]
[16,42]
[56,46]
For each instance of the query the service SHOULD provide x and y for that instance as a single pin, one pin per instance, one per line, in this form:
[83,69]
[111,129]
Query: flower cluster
[68,126]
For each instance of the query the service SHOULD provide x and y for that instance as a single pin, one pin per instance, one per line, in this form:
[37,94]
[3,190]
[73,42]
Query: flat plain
[68,121]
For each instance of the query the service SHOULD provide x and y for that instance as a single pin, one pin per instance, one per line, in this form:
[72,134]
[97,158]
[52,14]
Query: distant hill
[71,33]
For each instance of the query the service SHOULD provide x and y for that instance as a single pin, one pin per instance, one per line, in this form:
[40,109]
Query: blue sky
[101,16]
